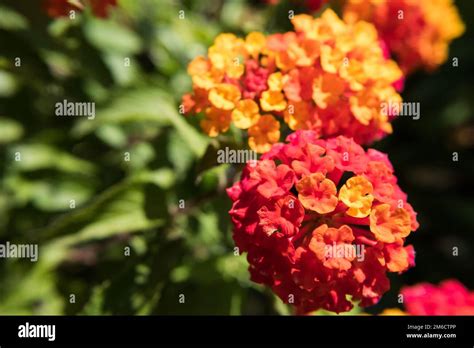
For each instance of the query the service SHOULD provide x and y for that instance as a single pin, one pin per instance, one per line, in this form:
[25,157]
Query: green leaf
[10,130]
[12,20]
[57,195]
[8,84]
[112,135]
[145,106]
[141,154]
[111,37]
[49,194]
[120,209]
[124,75]
[30,157]
[209,180]
[180,156]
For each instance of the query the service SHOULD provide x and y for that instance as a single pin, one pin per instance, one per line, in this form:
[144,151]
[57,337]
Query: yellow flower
[303,23]
[216,121]
[354,74]
[230,43]
[284,61]
[356,194]
[296,115]
[305,52]
[203,74]
[388,72]
[272,101]
[393,311]
[418,36]
[330,21]
[264,134]
[326,75]
[245,114]
[388,224]
[224,96]
[255,43]
[275,81]
[198,66]
[331,59]
[327,90]
[364,35]
[227,55]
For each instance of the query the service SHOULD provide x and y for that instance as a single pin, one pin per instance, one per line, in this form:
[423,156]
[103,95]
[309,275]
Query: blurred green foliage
[92,192]
[113,232]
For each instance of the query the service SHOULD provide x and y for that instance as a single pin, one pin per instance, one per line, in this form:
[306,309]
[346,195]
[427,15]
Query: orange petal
[216,121]
[397,258]
[317,193]
[264,134]
[389,225]
[327,90]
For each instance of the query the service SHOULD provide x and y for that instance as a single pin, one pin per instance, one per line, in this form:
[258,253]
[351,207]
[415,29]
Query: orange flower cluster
[61,8]
[326,76]
[417,32]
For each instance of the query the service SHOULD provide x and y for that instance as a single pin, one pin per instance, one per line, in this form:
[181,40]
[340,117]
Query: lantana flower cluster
[326,76]
[450,297]
[62,8]
[417,32]
[322,222]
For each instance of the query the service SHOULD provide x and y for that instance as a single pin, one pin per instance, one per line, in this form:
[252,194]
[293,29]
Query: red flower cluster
[321,220]
[61,8]
[449,298]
